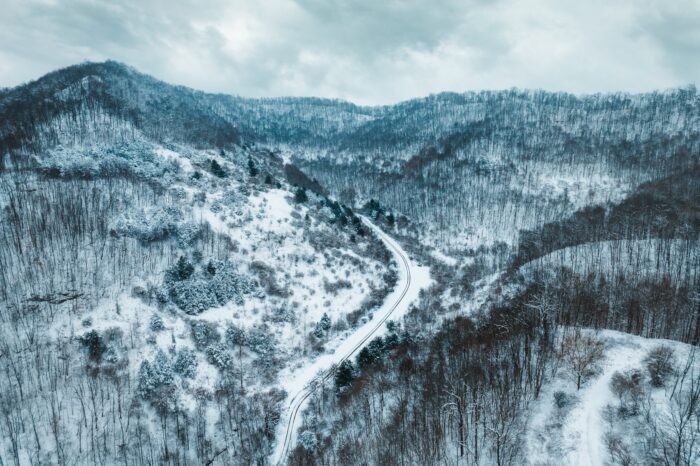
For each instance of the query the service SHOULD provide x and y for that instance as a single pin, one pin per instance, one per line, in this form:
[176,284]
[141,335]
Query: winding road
[411,280]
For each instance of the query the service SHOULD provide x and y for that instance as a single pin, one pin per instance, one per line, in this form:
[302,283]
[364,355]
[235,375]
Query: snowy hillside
[166,278]
[501,277]
[638,389]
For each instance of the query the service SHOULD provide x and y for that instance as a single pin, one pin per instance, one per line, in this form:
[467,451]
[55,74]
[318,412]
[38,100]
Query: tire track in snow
[367,331]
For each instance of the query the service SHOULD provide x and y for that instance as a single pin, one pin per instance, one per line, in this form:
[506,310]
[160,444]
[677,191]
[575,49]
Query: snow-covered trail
[300,384]
[585,428]
[587,421]
[577,437]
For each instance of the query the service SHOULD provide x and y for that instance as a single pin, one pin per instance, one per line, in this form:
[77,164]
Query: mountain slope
[153,273]
[170,259]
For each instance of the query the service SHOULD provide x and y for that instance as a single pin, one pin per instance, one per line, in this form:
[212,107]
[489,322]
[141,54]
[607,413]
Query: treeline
[648,306]
[666,208]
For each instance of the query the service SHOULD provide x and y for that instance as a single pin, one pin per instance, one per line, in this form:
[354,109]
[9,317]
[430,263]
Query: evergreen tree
[252,169]
[184,269]
[156,324]
[344,375]
[211,268]
[186,363]
[235,336]
[217,169]
[364,359]
[325,322]
[390,220]
[96,347]
[300,196]
[156,382]
[322,326]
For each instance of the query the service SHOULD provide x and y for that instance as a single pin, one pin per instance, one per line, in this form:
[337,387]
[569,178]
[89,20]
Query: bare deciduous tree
[581,353]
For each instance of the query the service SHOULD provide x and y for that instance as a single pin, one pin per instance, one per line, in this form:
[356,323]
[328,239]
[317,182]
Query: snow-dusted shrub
[660,363]
[219,356]
[187,233]
[179,193]
[113,335]
[185,363]
[156,382]
[563,400]
[156,323]
[159,294]
[111,355]
[235,336]
[204,333]
[139,292]
[267,277]
[308,440]
[135,159]
[282,314]
[618,449]
[314,343]
[214,284]
[333,287]
[151,224]
[259,340]
[231,199]
[193,296]
[227,284]
[628,388]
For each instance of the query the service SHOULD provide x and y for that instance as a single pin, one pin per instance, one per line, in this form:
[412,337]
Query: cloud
[366,51]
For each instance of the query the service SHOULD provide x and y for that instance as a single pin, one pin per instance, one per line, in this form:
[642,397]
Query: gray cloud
[367,51]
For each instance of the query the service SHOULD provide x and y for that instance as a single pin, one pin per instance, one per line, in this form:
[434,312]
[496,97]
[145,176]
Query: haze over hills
[171,259]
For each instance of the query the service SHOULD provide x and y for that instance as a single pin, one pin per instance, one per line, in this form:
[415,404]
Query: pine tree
[211,269]
[156,324]
[325,322]
[184,269]
[217,169]
[344,375]
[300,196]
[186,363]
[252,169]
[364,359]
[96,347]
[390,220]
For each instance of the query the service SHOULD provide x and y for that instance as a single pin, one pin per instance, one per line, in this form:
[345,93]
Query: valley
[496,277]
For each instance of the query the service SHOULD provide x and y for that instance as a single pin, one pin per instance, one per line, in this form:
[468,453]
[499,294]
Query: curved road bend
[356,341]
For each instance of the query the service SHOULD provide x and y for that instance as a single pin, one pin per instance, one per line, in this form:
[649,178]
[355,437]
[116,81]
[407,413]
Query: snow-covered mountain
[155,271]
[172,260]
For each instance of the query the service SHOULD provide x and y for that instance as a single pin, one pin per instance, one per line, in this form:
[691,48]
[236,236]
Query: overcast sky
[366,51]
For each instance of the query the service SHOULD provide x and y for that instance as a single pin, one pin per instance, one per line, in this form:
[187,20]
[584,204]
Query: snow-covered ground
[574,435]
[317,267]
[299,382]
